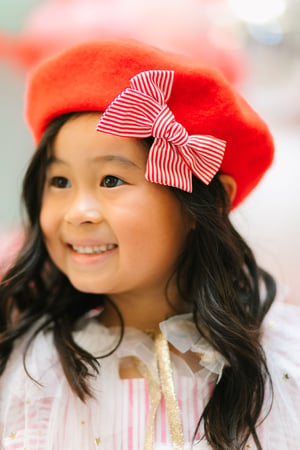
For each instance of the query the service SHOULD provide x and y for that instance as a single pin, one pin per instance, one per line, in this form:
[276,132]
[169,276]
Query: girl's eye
[60,182]
[110,181]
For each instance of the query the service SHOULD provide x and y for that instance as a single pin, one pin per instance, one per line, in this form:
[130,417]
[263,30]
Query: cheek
[154,232]
[45,216]
[47,220]
[44,223]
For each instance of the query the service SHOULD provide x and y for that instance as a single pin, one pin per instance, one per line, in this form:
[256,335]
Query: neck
[143,312]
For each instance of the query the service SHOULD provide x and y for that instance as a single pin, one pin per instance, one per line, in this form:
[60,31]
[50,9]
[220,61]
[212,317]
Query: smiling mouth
[93,250]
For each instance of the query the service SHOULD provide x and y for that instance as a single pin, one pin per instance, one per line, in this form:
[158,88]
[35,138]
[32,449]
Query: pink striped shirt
[130,403]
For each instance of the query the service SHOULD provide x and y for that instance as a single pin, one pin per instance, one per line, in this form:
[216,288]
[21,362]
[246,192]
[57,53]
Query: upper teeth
[93,249]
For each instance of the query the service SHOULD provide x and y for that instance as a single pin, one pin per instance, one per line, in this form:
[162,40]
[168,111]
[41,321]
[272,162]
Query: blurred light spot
[269,34]
[258,11]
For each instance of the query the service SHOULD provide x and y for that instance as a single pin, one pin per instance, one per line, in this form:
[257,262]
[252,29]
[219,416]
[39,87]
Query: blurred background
[256,43]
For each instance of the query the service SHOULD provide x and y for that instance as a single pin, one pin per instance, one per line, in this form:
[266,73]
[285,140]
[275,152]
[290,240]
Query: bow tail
[166,166]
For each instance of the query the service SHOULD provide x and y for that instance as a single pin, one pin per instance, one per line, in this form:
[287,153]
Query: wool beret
[89,76]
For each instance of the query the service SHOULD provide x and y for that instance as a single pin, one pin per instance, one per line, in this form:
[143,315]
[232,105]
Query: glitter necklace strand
[165,387]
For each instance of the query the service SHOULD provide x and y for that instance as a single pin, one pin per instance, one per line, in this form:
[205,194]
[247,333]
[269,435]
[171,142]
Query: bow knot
[141,111]
[166,127]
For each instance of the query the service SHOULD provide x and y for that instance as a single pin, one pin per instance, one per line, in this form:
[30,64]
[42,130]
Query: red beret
[88,77]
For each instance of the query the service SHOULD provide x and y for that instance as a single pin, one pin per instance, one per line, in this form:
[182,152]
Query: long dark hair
[217,274]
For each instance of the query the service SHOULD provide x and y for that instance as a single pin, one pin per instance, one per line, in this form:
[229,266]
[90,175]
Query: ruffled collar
[180,331]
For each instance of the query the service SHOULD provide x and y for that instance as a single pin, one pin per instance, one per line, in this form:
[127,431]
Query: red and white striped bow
[141,111]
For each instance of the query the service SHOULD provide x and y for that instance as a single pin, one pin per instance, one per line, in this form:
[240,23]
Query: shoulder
[34,388]
[281,331]
[35,353]
[29,362]
[281,339]
[281,343]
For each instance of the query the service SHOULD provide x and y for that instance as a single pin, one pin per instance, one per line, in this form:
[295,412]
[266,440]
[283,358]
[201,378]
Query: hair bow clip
[141,111]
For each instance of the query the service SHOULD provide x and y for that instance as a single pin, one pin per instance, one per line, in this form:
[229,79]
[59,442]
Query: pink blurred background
[255,43]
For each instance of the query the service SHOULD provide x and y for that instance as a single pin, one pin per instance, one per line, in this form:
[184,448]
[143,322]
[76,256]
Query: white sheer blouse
[159,410]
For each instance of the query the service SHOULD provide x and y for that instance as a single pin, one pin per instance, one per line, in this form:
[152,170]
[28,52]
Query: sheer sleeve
[281,342]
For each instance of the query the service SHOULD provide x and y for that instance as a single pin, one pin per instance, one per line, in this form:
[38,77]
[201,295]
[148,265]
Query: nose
[84,208]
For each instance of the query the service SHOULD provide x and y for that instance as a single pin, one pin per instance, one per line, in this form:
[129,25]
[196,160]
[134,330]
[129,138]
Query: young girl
[135,316]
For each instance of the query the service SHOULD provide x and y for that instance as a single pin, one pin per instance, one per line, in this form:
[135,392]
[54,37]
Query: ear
[229,185]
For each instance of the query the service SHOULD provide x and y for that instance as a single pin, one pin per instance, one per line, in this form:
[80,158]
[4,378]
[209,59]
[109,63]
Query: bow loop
[157,84]
[141,111]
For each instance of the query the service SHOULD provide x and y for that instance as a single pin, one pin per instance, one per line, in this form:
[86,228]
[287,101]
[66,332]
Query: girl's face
[105,227]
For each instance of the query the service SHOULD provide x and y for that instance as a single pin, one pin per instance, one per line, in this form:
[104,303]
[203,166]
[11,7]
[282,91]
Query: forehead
[78,138]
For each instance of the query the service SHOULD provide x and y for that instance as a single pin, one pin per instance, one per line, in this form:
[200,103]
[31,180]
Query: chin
[84,286]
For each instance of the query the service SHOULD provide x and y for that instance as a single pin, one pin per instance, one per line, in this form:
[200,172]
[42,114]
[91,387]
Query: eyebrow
[119,158]
[105,158]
